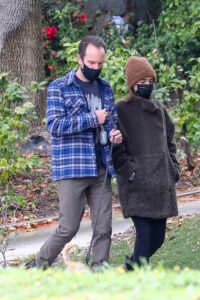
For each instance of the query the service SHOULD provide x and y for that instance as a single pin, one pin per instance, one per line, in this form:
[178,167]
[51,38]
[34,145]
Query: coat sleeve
[171,143]
[122,160]
[58,122]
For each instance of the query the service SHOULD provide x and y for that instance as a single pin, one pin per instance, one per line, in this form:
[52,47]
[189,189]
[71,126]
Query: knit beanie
[138,68]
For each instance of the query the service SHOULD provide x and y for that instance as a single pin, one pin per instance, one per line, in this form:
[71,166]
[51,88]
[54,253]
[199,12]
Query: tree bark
[141,11]
[21,46]
[144,10]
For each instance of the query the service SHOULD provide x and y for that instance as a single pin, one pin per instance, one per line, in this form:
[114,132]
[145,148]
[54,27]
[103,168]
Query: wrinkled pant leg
[72,198]
[102,234]
[158,234]
[142,245]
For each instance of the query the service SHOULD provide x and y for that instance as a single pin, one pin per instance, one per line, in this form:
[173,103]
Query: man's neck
[81,76]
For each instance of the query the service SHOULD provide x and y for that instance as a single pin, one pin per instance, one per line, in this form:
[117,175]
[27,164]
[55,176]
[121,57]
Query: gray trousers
[73,194]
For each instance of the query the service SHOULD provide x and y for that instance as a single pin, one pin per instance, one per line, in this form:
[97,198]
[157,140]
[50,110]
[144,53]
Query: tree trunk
[141,10]
[144,10]
[20,44]
[153,9]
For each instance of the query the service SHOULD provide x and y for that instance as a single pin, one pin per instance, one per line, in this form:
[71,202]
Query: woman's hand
[115,136]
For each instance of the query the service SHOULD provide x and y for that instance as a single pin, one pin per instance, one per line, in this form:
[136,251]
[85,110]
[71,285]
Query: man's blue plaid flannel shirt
[71,126]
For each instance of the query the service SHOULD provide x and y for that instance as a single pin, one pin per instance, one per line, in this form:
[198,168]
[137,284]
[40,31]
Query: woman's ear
[135,88]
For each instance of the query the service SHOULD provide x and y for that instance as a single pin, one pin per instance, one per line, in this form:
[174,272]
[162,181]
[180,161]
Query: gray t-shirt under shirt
[93,97]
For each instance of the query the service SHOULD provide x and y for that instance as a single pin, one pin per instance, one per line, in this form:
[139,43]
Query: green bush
[67,23]
[179,31]
[175,35]
[171,45]
[14,121]
[186,112]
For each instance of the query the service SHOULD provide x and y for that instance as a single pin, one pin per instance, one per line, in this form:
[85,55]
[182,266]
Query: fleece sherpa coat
[145,162]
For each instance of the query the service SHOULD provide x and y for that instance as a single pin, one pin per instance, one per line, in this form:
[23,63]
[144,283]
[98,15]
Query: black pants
[150,235]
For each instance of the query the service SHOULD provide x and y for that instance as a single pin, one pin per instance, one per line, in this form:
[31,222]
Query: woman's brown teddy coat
[145,163]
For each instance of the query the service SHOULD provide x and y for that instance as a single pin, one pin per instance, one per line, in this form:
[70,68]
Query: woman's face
[147,80]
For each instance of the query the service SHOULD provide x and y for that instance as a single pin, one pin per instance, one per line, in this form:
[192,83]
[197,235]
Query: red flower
[83,17]
[50,68]
[44,46]
[53,53]
[50,32]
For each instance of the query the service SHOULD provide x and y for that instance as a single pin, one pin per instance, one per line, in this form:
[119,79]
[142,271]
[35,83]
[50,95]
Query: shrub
[67,23]
[179,31]
[14,112]
[172,46]
[14,119]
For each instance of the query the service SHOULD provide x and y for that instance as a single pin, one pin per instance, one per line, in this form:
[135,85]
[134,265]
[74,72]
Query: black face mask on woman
[90,74]
[144,90]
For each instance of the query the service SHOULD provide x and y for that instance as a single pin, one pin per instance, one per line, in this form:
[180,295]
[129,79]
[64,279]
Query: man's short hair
[94,40]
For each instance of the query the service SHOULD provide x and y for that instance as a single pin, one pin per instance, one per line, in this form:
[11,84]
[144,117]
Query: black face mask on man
[89,73]
[145,90]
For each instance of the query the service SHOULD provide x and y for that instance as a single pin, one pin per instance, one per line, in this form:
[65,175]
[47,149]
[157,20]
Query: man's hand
[115,136]
[101,115]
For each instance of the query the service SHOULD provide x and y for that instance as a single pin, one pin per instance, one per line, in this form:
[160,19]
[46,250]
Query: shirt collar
[70,77]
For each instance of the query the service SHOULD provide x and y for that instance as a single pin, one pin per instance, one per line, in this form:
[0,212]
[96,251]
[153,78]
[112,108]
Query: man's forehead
[92,50]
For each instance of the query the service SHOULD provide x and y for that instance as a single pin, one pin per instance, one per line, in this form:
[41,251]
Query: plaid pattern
[71,126]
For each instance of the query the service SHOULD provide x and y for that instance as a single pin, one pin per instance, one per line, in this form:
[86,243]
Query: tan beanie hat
[138,68]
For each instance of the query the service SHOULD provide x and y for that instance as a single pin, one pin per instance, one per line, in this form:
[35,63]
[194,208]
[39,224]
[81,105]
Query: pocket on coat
[172,169]
[152,173]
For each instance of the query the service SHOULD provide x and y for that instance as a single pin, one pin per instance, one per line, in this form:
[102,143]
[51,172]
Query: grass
[142,284]
[171,275]
[181,247]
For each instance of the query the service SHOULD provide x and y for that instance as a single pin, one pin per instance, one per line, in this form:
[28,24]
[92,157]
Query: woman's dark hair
[93,40]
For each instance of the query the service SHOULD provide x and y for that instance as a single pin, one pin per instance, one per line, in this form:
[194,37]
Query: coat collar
[147,104]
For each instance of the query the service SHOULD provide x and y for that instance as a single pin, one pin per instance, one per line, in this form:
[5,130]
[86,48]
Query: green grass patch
[112,284]
[181,247]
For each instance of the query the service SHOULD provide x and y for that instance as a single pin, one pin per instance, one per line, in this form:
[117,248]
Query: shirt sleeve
[111,121]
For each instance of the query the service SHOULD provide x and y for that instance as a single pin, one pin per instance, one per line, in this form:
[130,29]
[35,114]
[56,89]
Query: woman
[145,163]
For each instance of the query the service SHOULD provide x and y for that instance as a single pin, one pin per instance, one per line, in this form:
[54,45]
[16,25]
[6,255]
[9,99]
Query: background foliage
[14,111]
[171,44]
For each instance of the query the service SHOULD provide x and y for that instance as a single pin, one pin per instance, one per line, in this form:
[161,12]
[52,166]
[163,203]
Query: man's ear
[80,62]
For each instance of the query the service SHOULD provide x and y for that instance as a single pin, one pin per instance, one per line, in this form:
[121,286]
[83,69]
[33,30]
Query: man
[80,112]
